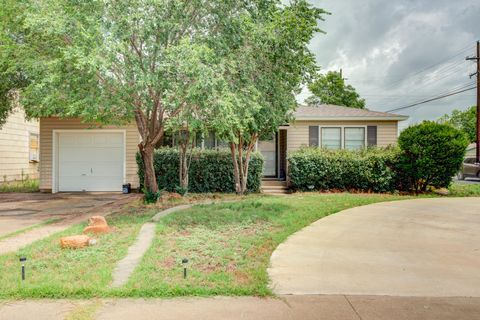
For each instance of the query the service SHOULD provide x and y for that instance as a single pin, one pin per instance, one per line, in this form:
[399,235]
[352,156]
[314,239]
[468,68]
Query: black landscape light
[184,263]
[22,260]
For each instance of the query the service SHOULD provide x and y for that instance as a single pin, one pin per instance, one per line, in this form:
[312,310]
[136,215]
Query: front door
[269,151]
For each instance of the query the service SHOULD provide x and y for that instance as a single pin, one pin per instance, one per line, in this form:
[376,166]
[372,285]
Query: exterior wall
[15,148]
[297,136]
[47,125]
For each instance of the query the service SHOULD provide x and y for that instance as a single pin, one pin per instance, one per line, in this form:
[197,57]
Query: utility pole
[477,59]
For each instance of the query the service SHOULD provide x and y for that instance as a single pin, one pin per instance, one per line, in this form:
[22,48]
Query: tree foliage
[463,120]
[159,63]
[266,62]
[330,88]
[432,154]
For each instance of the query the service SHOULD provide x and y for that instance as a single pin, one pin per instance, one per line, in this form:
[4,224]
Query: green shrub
[431,154]
[321,169]
[150,197]
[210,171]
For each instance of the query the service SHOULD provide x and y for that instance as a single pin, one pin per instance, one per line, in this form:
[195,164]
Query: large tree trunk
[240,165]
[236,173]
[151,130]
[183,169]
[150,179]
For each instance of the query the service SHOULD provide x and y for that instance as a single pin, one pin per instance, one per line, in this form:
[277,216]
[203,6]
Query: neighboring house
[19,150]
[79,157]
[471,150]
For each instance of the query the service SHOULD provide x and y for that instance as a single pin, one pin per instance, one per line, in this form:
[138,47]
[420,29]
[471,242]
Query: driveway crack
[353,308]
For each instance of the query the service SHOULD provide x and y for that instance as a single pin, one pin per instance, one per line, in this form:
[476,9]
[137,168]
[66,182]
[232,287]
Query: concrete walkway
[145,237]
[285,307]
[424,247]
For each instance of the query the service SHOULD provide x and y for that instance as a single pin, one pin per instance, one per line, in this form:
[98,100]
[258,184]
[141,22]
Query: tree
[267,62]
[431,154]
[331,88]
[11,76]
[195,88]
[108,61]
[463,120]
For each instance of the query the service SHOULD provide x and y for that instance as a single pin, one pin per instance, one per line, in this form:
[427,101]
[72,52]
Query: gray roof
[333,112]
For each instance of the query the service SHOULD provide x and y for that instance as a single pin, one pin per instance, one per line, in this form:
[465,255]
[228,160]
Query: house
[331,127]
[75,156]
[471,150]
[19,149]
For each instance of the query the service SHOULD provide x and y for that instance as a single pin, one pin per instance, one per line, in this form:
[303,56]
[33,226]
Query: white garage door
[90,161]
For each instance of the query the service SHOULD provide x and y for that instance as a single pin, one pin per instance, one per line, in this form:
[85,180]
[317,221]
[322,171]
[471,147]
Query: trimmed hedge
[210,170]
[320,169]
[432,153]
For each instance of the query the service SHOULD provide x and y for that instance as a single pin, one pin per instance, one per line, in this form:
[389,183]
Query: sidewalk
[329,307]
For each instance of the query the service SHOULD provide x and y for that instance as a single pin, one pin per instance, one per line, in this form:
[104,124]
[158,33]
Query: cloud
[398,52]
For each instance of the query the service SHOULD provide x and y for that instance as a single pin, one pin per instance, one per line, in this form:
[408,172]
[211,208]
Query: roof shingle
[327,111]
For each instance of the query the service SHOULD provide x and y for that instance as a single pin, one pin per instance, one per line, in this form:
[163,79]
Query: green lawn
[53,272]
[228,245]
[464,190]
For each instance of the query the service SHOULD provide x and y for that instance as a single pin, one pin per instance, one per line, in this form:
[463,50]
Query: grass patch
[229,245]
[34,226]
[464,190]
[28,185]
[56,273]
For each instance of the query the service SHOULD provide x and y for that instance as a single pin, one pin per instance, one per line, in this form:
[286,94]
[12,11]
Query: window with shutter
[332,137]
[313,136]
[372,135]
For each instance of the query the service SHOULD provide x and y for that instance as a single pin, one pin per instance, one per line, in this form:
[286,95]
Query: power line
[432,99]
[461,51]
[453,89]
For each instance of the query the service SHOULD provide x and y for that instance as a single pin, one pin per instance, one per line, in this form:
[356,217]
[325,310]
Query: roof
[333,112]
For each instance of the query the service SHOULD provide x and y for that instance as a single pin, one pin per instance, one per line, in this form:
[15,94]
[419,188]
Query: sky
[398,52]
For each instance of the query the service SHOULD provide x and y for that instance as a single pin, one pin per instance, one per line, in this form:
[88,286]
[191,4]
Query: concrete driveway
[21,210]
[424,247]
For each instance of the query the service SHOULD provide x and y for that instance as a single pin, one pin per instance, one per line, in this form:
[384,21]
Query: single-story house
[79,157]
[19,149]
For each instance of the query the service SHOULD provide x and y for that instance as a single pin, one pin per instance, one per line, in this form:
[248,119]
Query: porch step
[276,187]
[274,183]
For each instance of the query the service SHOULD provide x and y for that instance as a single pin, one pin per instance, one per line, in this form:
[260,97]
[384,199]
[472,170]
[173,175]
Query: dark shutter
[313,136]
[372,135]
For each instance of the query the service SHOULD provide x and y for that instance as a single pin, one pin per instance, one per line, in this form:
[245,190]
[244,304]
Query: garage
[89,161]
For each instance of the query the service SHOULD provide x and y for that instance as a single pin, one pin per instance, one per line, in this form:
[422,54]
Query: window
[354,138]
[331,138]
[33,147]
[313,136]
[209,142]
[198,140]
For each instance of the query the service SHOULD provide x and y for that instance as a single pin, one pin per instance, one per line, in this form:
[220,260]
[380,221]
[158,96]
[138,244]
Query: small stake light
[22,260]
[184,263]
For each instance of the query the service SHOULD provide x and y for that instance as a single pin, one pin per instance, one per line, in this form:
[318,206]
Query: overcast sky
[384,47]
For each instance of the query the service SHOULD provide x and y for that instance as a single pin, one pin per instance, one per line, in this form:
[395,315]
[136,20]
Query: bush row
[210,170]
[321,169]
[429,155]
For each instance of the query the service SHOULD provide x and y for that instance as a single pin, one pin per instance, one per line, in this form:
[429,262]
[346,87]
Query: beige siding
[297,136]
[14,148]
[47,125]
